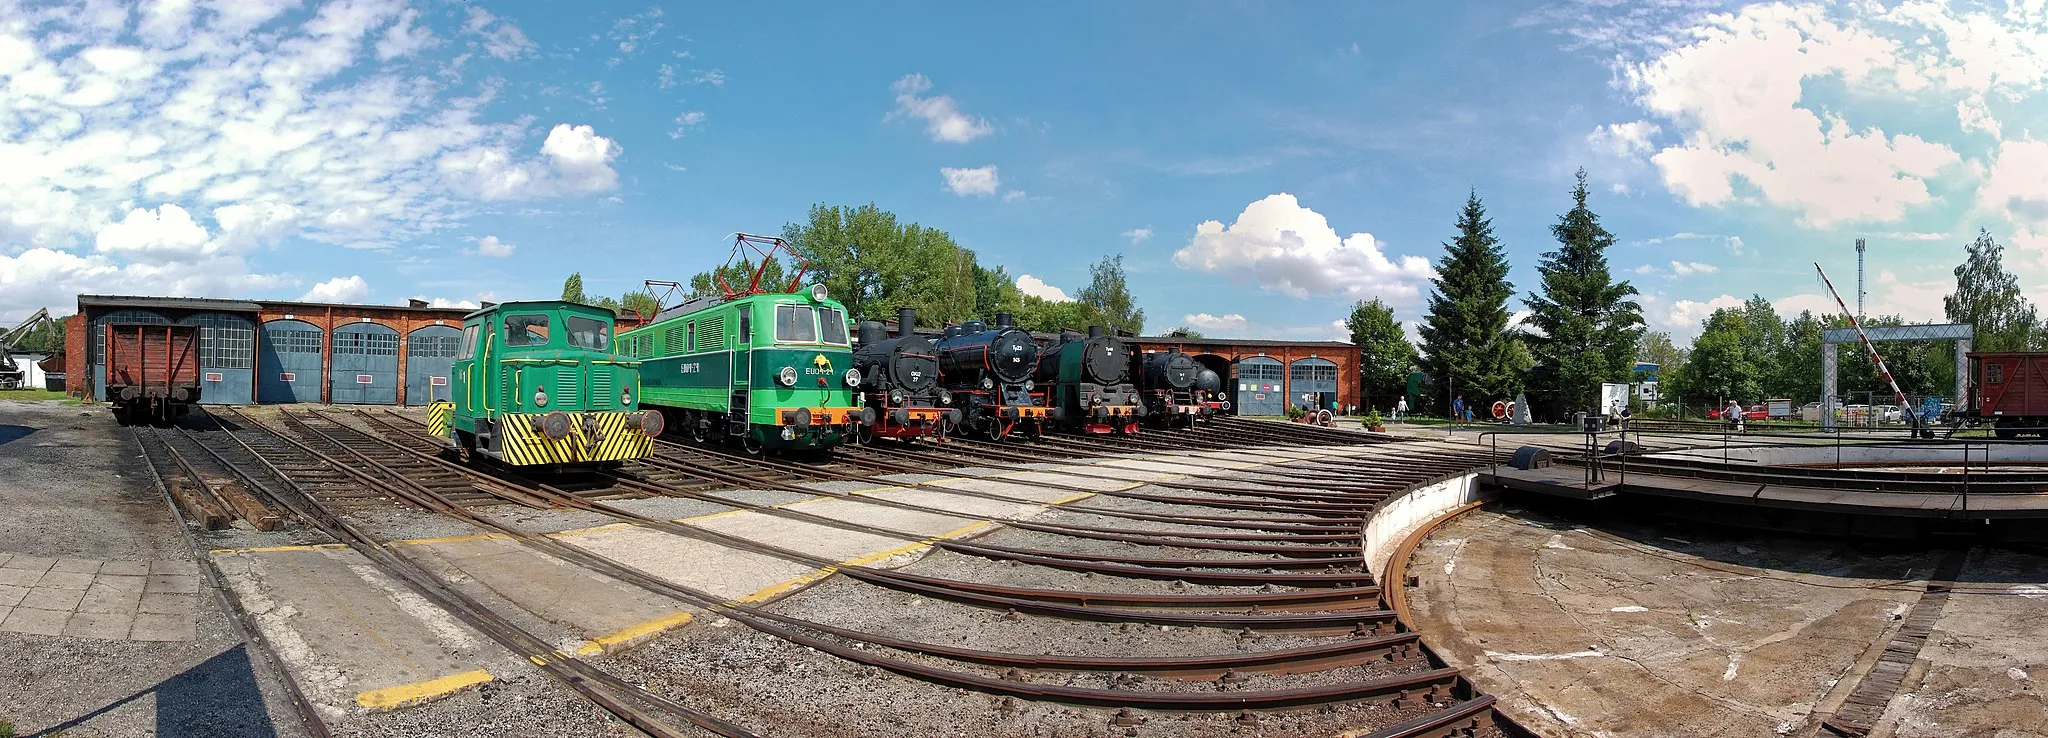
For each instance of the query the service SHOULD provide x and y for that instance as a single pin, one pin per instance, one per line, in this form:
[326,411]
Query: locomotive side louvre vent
[564,390]
[711,334]
[672,340]
[601,394]
[507,378]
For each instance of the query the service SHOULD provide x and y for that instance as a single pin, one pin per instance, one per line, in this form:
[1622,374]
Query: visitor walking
[1733,414]
[1401,409]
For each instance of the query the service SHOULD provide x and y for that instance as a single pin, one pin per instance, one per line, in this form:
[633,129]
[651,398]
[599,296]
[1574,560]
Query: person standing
[1625,418]
[1401,409]
[1733,414]
[1458,409]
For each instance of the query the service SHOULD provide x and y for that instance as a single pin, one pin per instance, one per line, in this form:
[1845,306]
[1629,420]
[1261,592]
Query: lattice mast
[1870,349]
[1859,278]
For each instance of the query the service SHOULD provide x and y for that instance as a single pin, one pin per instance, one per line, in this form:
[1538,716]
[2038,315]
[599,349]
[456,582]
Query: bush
[1295,413]
[1372,419]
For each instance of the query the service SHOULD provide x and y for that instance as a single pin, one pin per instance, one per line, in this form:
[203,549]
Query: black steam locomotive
[1167,388]
[899,382]
[989,372]
[1087,382]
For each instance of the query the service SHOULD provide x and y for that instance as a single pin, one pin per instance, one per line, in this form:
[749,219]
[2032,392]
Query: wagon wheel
[698,428]
[751,445]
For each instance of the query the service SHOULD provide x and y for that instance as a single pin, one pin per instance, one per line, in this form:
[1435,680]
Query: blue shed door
[289,353]
[1317,380]
[1259,388]
[365,368]
[227,352]
[429,357]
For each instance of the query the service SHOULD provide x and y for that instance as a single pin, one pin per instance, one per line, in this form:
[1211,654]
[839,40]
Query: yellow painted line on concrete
[391,698]
[630,633]
[268,549]
[453,539]
[586,531]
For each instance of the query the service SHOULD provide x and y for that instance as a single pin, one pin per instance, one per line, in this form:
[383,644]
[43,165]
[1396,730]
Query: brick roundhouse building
[265,351]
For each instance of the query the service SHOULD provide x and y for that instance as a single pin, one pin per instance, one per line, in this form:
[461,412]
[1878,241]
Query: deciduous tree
[1989,297]
[1109,294]
[1384,354]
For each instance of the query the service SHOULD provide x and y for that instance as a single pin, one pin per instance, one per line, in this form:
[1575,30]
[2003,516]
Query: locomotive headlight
[626,396]
[853,377]
[945,398]
[896,397]
[988,383]
[540,397]
[787,376]
[1029,385]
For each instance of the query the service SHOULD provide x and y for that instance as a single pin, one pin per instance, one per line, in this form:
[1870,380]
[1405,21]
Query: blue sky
[1235,153]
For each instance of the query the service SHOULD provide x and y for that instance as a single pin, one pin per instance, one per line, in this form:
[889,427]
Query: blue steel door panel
[429,359]
[365,365]
[289,353]
[227,349]
[1259,389]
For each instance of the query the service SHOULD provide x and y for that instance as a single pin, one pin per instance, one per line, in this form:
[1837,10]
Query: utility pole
[1859,279]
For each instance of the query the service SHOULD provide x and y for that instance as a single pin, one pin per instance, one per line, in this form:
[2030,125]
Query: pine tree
[1589,325]
[1468,349]
[1989,297]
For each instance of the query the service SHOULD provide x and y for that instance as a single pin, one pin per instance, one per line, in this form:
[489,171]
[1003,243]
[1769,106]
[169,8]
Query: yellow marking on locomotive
[440,417]
[522,443]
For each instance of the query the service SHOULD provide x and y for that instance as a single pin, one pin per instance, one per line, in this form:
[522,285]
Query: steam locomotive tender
[1088,383]
[899,382]
[989,372]
[1166,388]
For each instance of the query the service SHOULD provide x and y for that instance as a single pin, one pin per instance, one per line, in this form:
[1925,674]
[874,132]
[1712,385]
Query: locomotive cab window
[794,324]
[832,325]
[589,333]
[469,336]
[526,330]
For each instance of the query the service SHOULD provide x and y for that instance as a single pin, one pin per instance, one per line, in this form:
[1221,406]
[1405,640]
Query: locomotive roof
[534,305]
[705,302]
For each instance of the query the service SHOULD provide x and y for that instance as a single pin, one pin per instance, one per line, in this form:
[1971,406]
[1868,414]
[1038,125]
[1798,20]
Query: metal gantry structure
[11,374]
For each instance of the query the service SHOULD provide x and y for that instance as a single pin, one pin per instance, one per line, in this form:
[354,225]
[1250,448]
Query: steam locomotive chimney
[1003,320]
[906,322]
[1094,331]
[872,332]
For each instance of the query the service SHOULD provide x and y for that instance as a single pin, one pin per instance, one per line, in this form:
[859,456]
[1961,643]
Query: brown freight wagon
[152,371]
[2009,392]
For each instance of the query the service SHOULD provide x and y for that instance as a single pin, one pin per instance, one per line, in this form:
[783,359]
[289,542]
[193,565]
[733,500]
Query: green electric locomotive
[537,383]
[764,369]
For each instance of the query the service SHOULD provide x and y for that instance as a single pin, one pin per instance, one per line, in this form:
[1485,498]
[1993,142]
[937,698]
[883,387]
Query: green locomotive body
[537,383]
[769,371]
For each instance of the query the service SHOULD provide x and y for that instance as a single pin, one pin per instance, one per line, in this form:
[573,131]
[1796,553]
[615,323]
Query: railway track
[1293,568]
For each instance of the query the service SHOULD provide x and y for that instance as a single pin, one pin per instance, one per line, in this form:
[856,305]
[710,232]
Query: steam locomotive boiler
[989,371]
[1209,392]
[899,382]
[1087,381]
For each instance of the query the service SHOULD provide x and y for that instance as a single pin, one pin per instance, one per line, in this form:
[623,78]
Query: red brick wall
[1345,358]
[77,374]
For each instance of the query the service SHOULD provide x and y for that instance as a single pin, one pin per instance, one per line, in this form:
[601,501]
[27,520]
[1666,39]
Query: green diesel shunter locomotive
[537,383]
[763,370]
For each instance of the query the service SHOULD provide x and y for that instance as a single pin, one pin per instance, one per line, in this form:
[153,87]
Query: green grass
[33,395]
[6,729]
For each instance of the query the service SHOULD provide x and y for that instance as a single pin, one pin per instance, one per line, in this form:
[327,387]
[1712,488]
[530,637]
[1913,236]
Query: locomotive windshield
[794,324]
[589,333]
[526,330]
[832,325]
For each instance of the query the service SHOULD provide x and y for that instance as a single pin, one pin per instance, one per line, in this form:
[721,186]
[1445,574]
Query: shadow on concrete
[218,698]
[12,433]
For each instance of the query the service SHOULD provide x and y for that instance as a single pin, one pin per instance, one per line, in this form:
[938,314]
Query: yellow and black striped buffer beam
[440,417]
[617,437]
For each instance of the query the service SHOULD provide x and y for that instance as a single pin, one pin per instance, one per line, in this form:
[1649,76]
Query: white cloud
[490,246]
[1888,295]
[443,302]
[979,181]
[1138,235]
[2017,186]
[1685,268]
[942,117]
[1227,323]
[685,122]
[1291,249]
[1734,93]
[1036,287]
[500,38]
[1684,316]
[1648,269]
[713,77]
[582,157]
[404,38]
[666,78]
[44,277]
[1016,196]
[167,233]
[350,289]
[1624,140]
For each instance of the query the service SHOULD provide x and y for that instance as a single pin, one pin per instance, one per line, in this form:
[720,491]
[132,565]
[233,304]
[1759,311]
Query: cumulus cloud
[1686,315]
[1684,268]
[2017,185]
[41,277]
[174,142]
[978,182]
[1625,140]
[351,288]
[1739,90]
[1036,287]
[490,246]
[1138,235]
[443,302]
[1227,323]
[1287,248]
[942,117]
